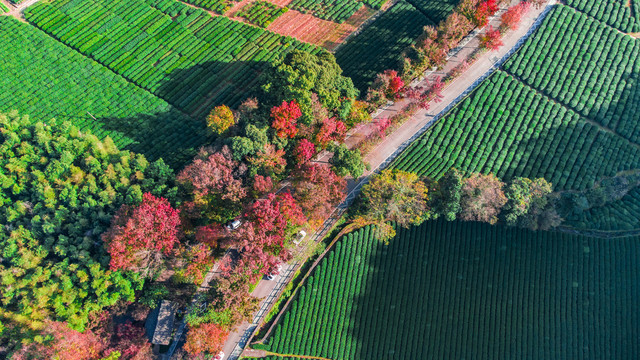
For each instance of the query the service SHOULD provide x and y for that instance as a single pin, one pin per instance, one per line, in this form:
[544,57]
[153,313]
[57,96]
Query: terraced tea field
[468,291]
[623,15]
[45,79]
[565,108]
[183,55]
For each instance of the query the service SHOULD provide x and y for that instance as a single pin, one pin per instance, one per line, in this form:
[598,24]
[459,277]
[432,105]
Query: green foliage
[446,200]
[58,193]
[346,162]
[332,10]
[45,79]
[449,288]
[261,13]
[300,74]
[621,14]
[526,198]
[182,54]
[151,295]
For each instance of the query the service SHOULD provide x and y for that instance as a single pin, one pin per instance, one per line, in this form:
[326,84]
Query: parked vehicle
[275,273]
[220,356]
[233,225]
[299,237]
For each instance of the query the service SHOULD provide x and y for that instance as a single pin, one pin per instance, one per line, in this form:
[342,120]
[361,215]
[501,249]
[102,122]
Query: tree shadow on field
[379,46]
[474,291]
[177,133]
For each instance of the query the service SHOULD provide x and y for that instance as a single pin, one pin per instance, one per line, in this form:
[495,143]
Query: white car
[299,237]
[233,225]
[275,273]
[220,356]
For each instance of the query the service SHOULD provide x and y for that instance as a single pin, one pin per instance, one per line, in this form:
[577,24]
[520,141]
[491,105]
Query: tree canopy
[59,190]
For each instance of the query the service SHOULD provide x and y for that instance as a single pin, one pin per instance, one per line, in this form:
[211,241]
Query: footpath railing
[341,208]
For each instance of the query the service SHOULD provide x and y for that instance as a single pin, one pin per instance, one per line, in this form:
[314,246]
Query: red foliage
[435,92]
[205,339]
[512,17]
[209,234]
[290,210]
[484,10]
[396,84]
[492,39]
[139,236]
[262,184]
[285,117]
[64,344]
[382,125]
[331,130]
[318,190]
[199,260]
[305,150]
[132,343]
[214,174]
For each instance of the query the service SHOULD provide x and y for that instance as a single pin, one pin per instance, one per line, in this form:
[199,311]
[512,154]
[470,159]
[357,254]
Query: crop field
[261,13]
[217,6]
[379,46]
[623,15]
[620,215]
[435,10]
[45,79]
[468,291]
[507,128]
[183,55]
[333,10]
[587,66]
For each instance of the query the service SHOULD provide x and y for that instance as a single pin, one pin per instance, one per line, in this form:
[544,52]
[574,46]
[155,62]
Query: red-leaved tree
[512,17]
[284,118]
[331,130]
[131,342]
[318,190]
[484,10]
[305,150]
[262,184]
[491,39]
[63,343]
[140,237]
[205,339]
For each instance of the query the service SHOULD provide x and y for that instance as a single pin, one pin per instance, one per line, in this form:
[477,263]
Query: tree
[491,39]
[220,119]
[205,339]
[346,162]
[331,130]
[359,114]
[526,200]
[395,195]
[301,74]
[140,237]
[198,260]
[446,201]
[60,342]
[60,189]
[304,151]
[284,118]
[215,181]
[262,184]
[482,198]
[131,342]
[268,161]
[318,190]
[512,17]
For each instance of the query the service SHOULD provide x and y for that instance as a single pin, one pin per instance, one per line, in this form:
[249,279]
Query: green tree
[446,200]
[300,74]
[527,200]
[346,162]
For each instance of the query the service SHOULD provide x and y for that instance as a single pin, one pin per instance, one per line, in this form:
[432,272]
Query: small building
[159,324]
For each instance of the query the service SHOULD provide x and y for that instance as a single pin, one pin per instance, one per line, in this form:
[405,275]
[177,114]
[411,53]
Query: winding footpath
[387,150]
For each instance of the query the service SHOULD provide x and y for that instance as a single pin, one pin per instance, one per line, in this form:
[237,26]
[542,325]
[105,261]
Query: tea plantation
[468,291]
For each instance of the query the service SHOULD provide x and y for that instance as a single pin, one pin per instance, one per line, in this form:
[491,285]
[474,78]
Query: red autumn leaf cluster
[131,342]
[382,125]
[262,184]
[318,190]
[140,236]
[205,339]
[512,17]
[491,39]
[65,344]
[284,118]
[305,150]
[214,174]
[331,130]
[484,10]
